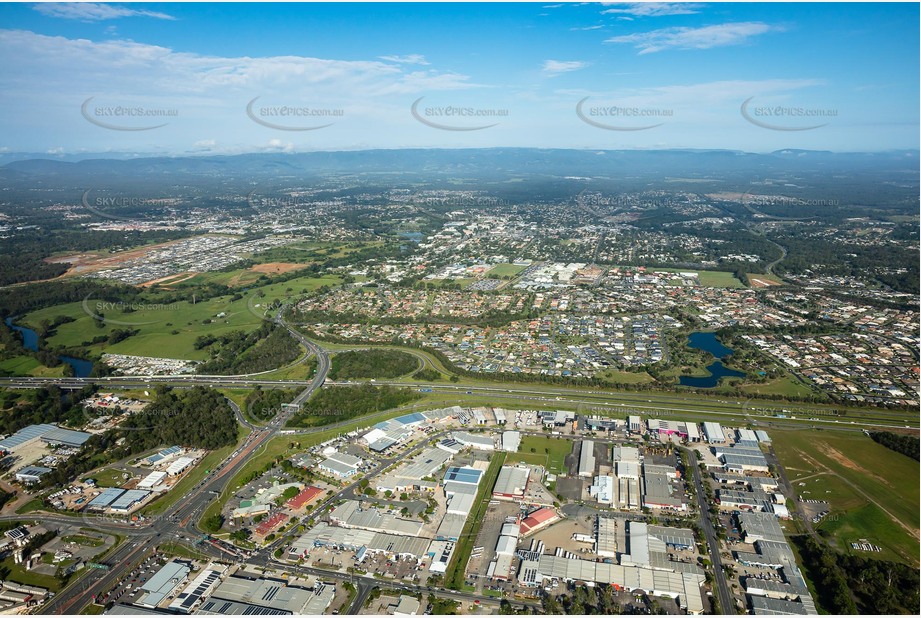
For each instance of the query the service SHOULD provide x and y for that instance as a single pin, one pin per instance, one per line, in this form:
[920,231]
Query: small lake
[82,368]
[708,343]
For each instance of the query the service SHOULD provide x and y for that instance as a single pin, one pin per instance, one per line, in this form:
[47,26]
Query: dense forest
[237,352]
[907,445]
[263,404]
[373,363]
[850,584]
[199,417]
[331,405]
[20,409]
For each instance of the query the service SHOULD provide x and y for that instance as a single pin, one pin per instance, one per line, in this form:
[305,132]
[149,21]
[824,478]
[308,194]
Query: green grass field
[548,452]
[873,492]
[28,366]
[625,377]
[505,270]
[108,477]
[787,386]
[172,327]
[82,539]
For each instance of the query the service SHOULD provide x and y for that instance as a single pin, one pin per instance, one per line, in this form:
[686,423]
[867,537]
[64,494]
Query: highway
[179,520]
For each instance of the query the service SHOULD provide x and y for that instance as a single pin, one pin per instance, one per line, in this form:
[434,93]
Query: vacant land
[788,386]
[548,452]
[872,491]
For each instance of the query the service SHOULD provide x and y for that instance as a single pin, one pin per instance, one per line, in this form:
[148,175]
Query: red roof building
[541,518]
[305,497]
[271,524]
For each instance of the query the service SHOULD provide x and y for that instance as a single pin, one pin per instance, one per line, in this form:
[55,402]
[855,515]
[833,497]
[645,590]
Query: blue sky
[841,77]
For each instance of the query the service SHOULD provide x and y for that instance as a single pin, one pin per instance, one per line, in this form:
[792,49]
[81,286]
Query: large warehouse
[50,434]
[511,482]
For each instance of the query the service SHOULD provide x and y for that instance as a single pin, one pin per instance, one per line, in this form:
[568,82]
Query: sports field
[873,492]
[505,270]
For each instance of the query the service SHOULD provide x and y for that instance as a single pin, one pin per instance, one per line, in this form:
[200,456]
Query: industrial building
[164,582]
[354,539]
[512,482]
[648,546]
[511,441]
[187,600]
[45,432]
[179,466]
[713,433]
[506,546]
[29,475]
[683,587]
[480,442]
[127,501]
[349,514]
[538,520]
[462,480]
[602,489]
[340,465]
[658,490]
[152,480]
[635,424]
[587,459]
[606,536]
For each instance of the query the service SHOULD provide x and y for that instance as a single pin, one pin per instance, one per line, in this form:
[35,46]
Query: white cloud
[555,67]
[706,37]
[588,28]
[276,145]
[91,11]
[408,59]
[655,9]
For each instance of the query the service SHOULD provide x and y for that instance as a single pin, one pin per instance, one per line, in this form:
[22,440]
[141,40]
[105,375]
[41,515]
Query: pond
[709,343]
[82,368]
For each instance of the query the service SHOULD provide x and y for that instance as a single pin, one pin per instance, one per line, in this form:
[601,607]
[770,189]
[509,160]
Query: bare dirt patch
[839,457]
[761,283]
[172,279]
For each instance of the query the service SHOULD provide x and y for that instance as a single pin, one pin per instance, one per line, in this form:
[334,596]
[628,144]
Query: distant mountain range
[487,163]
